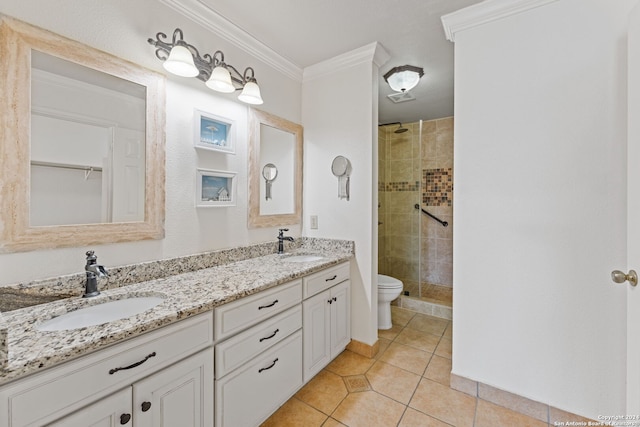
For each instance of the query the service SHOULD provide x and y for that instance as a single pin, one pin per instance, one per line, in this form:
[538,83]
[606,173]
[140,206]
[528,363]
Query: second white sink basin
[100,313]
[303,258]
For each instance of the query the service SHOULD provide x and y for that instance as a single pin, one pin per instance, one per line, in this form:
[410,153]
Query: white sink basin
[100,313]
[303,258]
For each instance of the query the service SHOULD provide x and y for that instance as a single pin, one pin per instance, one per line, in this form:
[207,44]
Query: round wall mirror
[269,173]
[341,168]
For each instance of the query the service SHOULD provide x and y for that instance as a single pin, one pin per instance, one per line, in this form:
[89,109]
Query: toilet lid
[387,282]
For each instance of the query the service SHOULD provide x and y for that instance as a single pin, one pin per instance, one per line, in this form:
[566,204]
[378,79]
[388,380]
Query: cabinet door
[316,326]
[180,395]
[340,317]
[112,411]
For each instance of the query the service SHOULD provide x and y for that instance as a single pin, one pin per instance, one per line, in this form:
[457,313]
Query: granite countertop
[186,294]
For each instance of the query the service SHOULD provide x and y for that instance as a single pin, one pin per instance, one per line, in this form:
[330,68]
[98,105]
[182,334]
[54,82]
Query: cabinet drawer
[245,312]
[55,392]
[247,396]
[324,279]
[236,351]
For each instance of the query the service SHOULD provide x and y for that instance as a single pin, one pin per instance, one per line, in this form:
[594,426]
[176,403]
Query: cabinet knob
[125,418]
[146,406]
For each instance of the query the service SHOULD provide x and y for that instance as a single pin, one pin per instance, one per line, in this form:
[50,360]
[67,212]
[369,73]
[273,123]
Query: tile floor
[406,384]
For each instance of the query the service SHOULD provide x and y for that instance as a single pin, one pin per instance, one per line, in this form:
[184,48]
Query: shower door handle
[619,277]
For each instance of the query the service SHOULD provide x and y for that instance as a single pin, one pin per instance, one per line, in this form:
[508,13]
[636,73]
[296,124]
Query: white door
[633,210]
[128,175]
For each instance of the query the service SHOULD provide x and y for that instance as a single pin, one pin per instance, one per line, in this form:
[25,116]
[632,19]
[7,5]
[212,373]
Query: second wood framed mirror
[277,144]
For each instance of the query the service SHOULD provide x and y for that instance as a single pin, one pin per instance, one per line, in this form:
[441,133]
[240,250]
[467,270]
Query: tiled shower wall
[416,168]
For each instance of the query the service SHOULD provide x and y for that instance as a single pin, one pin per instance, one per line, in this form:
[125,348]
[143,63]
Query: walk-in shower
[415,214]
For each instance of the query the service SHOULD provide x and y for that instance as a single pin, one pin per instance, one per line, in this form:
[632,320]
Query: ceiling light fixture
[183,59]
[403,78]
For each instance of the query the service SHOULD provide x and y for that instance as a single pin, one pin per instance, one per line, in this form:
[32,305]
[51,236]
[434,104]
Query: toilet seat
[386,282]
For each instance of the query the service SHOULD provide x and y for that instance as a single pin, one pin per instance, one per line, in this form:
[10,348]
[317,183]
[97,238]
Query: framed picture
[215,188]
[214,132]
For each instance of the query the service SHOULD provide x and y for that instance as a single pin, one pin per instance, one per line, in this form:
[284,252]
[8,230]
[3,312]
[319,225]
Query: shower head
[400,129]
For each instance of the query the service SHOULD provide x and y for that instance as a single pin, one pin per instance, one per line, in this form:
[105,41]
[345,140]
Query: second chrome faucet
[281,239]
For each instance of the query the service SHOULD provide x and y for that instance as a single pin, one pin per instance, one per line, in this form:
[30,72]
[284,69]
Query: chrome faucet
[94,271]
[281,239]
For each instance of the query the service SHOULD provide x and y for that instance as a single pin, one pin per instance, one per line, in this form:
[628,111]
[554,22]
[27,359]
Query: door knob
[619,277]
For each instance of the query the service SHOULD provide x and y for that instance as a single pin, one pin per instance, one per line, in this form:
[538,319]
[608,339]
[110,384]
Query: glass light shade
[251,94]
[220,80]
[404,80]
[180,62]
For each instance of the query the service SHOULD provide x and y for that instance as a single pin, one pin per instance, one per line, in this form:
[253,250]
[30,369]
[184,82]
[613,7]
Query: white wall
[122,27]
[540,204]
[339,112]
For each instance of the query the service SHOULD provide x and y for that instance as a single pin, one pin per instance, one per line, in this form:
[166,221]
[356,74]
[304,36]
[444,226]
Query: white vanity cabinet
[326,317]
[259,356]
[166,376]
[264,348]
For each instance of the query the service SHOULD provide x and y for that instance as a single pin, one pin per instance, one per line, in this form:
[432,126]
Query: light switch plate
[314,222]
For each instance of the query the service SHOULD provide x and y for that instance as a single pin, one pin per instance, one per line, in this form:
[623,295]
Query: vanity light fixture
[403,78]
[182,59]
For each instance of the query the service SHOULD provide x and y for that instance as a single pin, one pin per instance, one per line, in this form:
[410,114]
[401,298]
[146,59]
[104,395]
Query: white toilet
[389,288]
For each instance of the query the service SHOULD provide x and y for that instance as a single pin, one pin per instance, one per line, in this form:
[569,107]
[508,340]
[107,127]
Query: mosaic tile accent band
[438,187]
[399,186]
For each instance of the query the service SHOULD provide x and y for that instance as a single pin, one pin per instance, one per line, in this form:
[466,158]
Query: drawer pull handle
[146,406]
[270,336]
[267,306]
[335,299]
[114,370]
[268,367]
[124,418]
[335,276]
[330,301]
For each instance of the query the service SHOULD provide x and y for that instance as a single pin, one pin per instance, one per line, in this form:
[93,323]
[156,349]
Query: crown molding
[371,53]
[484,12]
[203,15]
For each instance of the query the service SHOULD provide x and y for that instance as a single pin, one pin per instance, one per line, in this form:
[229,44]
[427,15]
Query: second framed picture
[215,188]
[214,133]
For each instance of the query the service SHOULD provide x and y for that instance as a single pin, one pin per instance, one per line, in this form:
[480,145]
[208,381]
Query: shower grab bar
[444,223]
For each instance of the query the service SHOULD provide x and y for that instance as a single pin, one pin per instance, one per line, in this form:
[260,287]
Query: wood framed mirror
[274,143]
[55,140]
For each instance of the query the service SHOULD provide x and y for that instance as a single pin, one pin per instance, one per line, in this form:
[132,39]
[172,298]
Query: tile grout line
[406,406]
